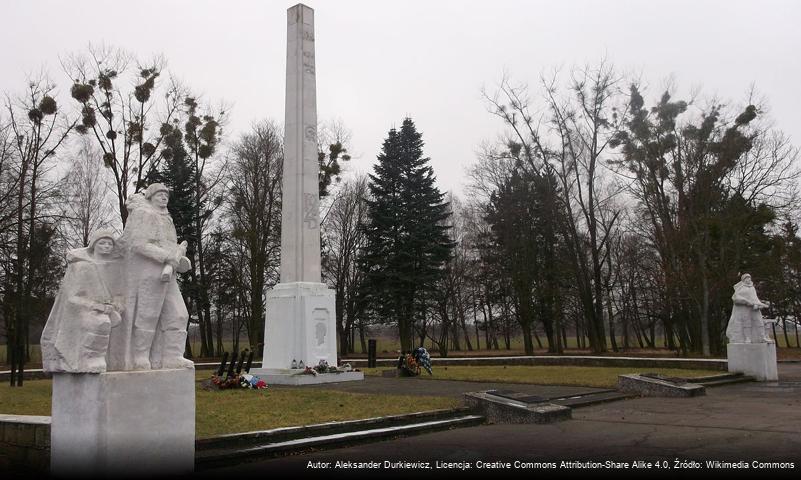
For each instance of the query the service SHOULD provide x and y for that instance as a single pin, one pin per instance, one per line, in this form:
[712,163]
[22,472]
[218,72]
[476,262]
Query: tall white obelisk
[300,217]
[300,324]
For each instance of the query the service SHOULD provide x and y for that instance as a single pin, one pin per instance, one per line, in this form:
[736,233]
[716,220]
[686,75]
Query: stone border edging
[656,387]
[287,433]
[504,410]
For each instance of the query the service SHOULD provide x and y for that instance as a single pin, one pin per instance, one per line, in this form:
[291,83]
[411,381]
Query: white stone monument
[750,350]
[123,395]
[300,330]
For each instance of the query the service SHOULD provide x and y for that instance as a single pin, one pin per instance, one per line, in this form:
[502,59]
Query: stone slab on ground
[648,386]
[755,359]
[290,377]
[499,409]
[123,423]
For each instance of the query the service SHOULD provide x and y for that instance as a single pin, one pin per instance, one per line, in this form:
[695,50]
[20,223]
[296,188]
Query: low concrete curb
[328,428]
[503,410]
[219,450]
[24,443]
[286,377]
[650,386]
[571,360]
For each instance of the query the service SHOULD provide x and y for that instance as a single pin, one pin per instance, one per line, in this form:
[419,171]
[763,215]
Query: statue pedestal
[755,359]
[123,423]
[300,326]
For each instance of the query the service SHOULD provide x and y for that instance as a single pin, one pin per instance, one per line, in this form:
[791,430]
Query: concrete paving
[753,425]
[445,388]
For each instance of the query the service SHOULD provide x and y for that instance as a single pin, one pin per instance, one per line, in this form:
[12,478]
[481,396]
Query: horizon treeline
[598,219]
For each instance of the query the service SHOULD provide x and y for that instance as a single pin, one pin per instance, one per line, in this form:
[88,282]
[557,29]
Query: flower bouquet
[247,380]
[409,364]
[308,371]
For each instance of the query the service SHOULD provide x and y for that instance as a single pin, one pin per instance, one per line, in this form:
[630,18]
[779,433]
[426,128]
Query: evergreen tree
[178,174]
[407,241]
[524,218]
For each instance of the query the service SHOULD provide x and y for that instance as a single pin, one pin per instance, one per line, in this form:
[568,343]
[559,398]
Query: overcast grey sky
[378,61]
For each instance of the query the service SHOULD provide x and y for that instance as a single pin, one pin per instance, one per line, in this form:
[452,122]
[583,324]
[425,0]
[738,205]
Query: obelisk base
[123,423]
[300,327]
[755,359]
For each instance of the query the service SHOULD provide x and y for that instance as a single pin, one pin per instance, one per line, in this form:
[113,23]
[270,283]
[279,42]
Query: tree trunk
[612,339]
[528,345]
[362,336]
[536,338]
[704,333]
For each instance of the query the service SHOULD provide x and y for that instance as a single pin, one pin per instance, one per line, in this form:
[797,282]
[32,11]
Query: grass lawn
[233,411]
[602,377]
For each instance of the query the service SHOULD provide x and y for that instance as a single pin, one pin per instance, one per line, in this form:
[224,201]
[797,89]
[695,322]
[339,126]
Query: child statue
[88,305]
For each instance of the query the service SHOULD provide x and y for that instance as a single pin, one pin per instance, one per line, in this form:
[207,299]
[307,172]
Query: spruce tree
[407,241]
[178,173]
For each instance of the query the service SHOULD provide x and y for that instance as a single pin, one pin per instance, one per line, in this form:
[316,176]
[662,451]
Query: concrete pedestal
[291,377]
[300,326]
[123,423]
[755,359]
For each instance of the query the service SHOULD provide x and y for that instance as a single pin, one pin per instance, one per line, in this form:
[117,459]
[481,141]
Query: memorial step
[578,400]
[588,399]
[219,451]
[724,379]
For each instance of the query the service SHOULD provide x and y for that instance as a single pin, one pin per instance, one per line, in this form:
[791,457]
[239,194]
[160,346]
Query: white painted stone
[300,210]
[291,377]
[301,315]
[123,423]
[119,306]
[755,359]
[87,308]
[300,325]
[155,313]
[750,350]
[746,324]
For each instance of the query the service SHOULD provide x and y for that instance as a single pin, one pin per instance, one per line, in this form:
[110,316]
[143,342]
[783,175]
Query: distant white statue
[88,305]
[746,324]
[158,313]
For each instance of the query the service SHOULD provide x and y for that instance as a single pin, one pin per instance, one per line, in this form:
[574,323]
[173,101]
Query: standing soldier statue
[154,302]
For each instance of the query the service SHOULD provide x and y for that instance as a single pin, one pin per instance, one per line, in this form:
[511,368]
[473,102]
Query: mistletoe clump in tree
[406,231]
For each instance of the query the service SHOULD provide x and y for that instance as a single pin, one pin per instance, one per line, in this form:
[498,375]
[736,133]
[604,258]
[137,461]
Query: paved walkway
[443,388]
[751,422]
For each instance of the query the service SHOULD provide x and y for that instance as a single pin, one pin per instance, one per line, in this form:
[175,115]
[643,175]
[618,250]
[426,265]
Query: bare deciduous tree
[127,123]
[344,239]
[254,208]
[87,204]
[38,130]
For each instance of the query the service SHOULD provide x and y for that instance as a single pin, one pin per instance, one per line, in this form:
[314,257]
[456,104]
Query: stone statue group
[119,306]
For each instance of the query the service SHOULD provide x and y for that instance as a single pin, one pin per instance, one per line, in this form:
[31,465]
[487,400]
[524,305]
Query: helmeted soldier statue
[154,302]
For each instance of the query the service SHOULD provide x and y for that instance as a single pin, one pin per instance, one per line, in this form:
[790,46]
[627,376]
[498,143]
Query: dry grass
[233,411]
[241,411]
[33,398]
